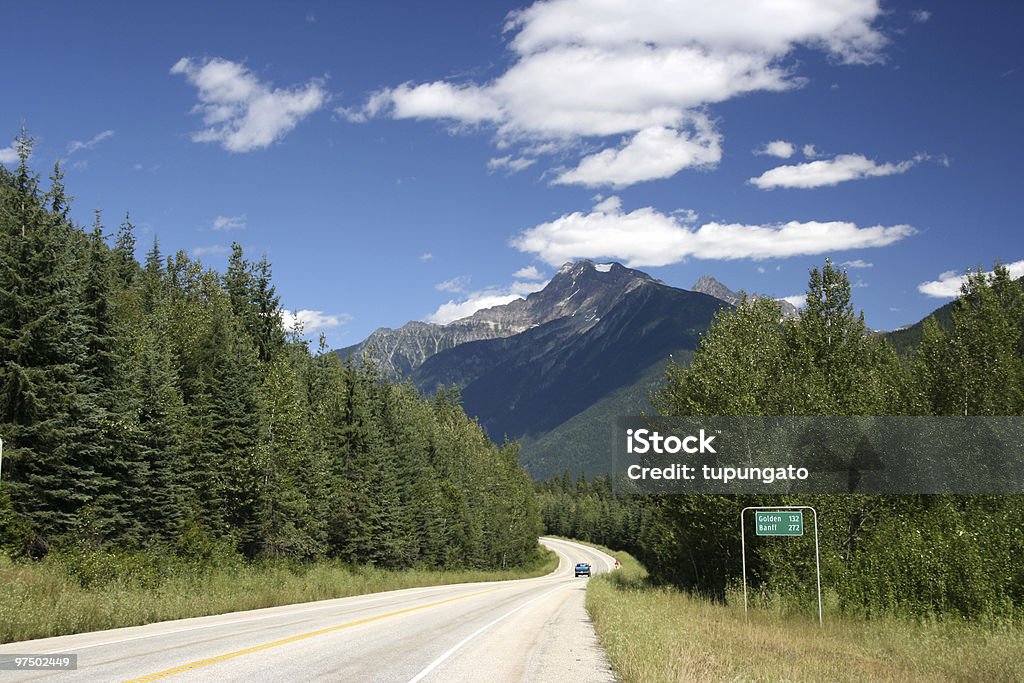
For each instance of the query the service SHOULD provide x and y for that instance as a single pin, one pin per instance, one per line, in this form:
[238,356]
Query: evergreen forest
[163,408]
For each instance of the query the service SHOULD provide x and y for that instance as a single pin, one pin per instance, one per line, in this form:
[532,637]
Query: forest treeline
[163,406]
[916,554]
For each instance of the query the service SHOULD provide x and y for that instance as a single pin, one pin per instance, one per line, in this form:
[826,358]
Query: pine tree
[125,265]
[234,427]
[120,472]
[154,280]
[288,467]
[255,302]
[267,328]
[47,413]
[160,424]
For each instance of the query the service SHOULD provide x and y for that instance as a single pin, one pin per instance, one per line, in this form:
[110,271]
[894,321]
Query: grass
[93,591]
[658,634]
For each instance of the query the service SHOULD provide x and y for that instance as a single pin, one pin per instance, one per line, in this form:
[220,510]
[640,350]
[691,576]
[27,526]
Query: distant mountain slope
[530,383]
[580,445]
[398,352]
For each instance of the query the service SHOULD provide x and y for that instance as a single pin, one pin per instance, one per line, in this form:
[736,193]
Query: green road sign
[779,523]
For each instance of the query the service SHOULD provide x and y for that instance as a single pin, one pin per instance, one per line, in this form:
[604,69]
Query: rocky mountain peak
[582,289]
[706,284]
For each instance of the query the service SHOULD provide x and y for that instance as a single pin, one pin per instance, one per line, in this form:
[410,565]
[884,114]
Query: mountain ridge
[398,352]
[706,284]
[531,382]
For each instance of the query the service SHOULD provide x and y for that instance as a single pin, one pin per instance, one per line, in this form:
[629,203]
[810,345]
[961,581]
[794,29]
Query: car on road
[582,569]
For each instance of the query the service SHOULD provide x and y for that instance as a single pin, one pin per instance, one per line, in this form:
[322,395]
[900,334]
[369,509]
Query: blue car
[582,569]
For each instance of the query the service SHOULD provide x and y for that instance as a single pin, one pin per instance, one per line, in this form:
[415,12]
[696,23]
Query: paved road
[528,630]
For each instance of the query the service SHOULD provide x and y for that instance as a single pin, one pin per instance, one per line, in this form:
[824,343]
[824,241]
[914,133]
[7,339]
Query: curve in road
[524,630]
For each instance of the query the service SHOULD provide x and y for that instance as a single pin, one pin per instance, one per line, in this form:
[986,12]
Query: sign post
[786,520]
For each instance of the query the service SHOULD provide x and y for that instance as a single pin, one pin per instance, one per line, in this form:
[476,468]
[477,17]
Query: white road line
[458,646]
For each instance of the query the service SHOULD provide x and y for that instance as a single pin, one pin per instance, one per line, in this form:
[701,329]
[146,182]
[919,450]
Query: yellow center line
[200,663]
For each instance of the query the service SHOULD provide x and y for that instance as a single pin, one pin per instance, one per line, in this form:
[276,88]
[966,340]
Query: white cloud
[509,163]
[477,301]
[608,205]
[487,298]
[856,263]
[777,148]
[76,145]
[920,15]
[842,27]
[947,285]
[796,300]
[810,151]
[229,223]
[528,273]
[310,321]
[211,250]
[593,69]
[426,256]
[239,111]
[829,172]
[761,270]
[650,154]
[8,155]
[647,237]
[465,103]
[454,285]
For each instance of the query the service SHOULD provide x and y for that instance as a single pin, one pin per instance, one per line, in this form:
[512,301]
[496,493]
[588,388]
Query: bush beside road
[654,634]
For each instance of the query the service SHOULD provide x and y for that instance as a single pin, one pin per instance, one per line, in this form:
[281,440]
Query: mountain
[706,284]
[399,352]
[553,370]
[712,287]
[530,383]
[580,444]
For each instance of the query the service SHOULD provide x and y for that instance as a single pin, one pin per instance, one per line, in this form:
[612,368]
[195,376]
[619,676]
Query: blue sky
[402,161]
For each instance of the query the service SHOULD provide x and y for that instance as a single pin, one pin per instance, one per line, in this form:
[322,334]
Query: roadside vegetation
[87,591]
[662,634]
[952,558]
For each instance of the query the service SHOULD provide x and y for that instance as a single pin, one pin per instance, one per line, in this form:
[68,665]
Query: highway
[525,630]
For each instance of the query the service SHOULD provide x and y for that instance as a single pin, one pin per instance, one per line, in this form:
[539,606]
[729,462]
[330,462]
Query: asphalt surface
[526,630]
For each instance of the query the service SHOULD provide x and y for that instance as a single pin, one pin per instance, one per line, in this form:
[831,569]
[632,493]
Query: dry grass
[45,599]
[654,634]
